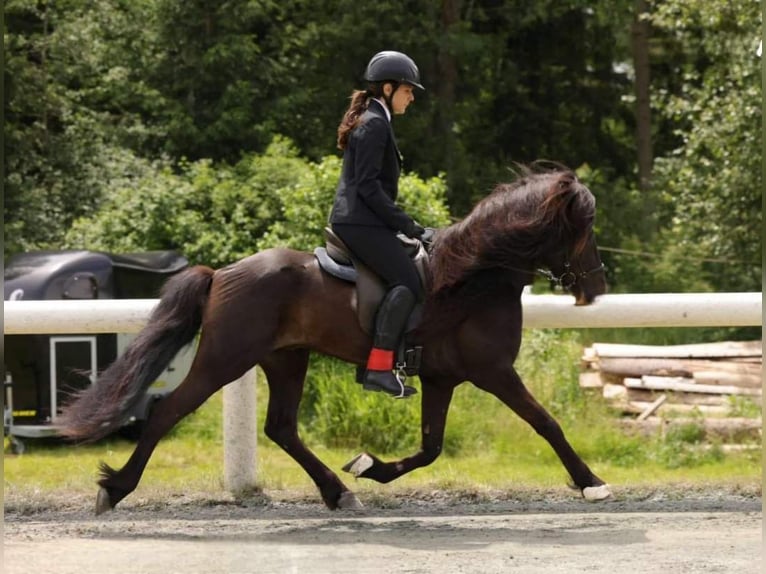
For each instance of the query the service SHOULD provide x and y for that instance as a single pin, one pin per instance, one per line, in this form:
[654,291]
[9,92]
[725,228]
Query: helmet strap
[390,99]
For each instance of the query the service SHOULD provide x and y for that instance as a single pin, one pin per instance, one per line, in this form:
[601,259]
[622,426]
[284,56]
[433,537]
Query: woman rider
[365,214]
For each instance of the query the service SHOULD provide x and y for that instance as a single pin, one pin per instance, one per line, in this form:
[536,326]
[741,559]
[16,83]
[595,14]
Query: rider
[365,215]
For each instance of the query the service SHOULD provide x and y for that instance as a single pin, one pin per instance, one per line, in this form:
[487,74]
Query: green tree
[710,183]
[306,205]
[216,214]
[213,213]
[72,102]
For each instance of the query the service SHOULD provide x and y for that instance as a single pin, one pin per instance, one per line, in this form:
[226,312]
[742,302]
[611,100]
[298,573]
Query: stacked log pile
[649,383]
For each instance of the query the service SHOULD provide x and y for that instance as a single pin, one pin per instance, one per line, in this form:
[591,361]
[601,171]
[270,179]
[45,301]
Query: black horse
[275,307]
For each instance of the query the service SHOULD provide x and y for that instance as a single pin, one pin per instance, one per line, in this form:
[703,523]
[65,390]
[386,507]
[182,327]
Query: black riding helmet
[391,66]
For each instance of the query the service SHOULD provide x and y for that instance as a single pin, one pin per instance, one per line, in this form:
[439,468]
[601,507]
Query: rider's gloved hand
[415,231]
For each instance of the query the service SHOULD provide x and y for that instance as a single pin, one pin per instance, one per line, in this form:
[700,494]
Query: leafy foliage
[217,214]
[214,214]
[711,182]
[305,205]
[71,102]
[172,101]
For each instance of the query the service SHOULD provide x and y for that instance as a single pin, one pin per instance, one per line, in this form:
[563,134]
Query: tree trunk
[447,79]
[640,31]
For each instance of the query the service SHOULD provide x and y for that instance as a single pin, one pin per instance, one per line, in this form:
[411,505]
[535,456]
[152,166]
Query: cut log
[717,377]
[700,350]
[591,380]
[589,355]
[646,395]
[597,379]
[733,429]
[686,385]
[652,408]
[637,366]
[615,392]
[637,407]
[629,406]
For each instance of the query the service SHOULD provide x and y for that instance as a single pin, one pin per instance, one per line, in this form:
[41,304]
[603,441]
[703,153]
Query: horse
[275,307]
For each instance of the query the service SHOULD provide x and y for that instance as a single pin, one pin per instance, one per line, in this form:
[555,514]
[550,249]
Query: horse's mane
[513,226]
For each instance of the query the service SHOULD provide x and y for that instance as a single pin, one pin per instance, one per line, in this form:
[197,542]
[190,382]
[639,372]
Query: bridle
[568,277]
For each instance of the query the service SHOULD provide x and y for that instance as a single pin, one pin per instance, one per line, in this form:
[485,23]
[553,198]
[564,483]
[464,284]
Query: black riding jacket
[369,182]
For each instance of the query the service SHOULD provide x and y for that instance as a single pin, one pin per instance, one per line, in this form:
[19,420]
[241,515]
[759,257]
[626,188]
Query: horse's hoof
[359,464]
[596,493]
[102,501]
[349,501]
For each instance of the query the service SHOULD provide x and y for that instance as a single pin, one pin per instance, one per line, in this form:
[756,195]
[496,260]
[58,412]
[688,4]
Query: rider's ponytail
[359,101]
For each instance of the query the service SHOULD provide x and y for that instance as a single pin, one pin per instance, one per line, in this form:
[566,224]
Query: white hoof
[358,465]
[596,493]
[102,501]
[349,501]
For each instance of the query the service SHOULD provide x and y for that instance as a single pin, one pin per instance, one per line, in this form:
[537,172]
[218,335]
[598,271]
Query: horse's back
[284,292]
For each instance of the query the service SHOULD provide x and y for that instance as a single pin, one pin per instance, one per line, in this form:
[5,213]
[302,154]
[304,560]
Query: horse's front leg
[285,372]
[434,403]
[506,385]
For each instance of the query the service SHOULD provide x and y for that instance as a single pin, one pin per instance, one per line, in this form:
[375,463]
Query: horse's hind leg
[506,385]
[286,372]
[209,372]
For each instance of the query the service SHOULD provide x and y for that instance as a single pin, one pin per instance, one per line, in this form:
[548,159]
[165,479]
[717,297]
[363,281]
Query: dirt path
[709,532]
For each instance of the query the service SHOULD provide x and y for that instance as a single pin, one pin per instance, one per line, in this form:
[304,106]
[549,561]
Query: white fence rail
[540,311]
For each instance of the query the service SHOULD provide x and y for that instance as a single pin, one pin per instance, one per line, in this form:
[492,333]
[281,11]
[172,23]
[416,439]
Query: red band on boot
[380,360]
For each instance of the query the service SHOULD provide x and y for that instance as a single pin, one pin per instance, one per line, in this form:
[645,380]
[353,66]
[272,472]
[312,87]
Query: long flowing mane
[514,225]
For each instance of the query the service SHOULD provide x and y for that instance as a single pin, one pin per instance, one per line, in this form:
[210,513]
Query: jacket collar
[380,108]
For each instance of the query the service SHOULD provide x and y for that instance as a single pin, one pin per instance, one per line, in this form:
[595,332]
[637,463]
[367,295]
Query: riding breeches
[381,250]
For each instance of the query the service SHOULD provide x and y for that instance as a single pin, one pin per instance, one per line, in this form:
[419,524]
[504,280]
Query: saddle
[336,260]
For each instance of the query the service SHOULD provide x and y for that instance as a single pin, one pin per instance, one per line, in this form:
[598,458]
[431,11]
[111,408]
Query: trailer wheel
[15,445]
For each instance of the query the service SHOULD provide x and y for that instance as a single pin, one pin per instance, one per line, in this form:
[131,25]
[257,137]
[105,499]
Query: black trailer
[41,371]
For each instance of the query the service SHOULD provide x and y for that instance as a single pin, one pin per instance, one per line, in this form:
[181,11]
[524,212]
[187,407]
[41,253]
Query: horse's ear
[573,202]
[562,198]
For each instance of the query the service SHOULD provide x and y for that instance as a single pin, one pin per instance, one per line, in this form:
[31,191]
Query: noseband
[568,277]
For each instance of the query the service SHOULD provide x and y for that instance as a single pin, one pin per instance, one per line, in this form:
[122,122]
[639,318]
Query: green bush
[213,214]
[337,412]
[306,204]
[682,446]
[216,214]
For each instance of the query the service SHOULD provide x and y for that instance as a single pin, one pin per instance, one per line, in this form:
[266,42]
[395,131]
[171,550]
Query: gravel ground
[686,530]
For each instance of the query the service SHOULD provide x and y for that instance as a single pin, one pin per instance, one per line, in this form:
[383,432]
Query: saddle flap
[336,259]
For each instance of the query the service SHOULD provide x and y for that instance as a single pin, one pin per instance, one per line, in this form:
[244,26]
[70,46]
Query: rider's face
[402,97]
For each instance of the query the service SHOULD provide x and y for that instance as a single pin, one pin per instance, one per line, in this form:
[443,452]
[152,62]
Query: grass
[185,463]
[487,447]
[183,467]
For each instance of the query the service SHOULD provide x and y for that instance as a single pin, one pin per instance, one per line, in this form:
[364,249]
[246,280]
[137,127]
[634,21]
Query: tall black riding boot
[390,323]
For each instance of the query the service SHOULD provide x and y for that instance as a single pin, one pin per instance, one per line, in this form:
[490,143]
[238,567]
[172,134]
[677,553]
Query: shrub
[337,412]
[213,214]
[306,203]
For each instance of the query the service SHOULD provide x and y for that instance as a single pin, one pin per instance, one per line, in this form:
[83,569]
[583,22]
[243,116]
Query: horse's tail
[103,407]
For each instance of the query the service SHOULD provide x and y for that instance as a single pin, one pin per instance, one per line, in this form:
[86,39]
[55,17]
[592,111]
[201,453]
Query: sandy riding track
[700,532]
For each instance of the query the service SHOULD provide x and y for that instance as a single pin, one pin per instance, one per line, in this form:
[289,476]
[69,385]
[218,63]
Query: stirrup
[401,377]
[394,388]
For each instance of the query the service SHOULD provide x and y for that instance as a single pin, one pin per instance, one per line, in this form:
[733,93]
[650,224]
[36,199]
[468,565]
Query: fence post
[239,433]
